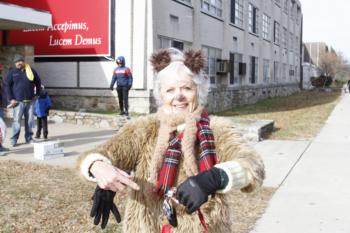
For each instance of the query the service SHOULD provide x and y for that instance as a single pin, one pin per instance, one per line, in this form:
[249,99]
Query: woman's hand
[111,178]
[194,191]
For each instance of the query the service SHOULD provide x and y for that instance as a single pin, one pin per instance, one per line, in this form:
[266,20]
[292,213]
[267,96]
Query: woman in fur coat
[179,146]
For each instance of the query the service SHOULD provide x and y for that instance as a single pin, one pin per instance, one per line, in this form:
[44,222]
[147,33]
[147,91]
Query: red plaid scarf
[207,158]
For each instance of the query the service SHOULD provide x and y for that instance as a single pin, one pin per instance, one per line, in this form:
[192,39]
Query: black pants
[41,124]
[123,97]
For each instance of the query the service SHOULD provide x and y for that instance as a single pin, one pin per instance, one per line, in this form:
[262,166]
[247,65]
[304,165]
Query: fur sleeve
[126,147]
[230,146]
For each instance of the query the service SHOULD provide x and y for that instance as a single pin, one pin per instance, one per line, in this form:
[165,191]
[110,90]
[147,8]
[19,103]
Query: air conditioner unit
[221,66]
[242,68]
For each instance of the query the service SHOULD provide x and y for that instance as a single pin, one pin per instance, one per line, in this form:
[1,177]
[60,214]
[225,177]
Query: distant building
[253,48]
[312,54]
[313,51]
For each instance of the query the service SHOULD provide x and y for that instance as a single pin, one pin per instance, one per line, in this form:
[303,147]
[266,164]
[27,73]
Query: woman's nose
[179,95]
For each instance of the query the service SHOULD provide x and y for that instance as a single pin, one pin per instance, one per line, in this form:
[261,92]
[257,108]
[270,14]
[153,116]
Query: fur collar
[168,123]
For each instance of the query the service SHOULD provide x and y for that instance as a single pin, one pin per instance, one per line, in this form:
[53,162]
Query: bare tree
[329,63]
[334,65]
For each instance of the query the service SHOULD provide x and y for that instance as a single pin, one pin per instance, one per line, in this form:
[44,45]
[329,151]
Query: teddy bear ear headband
[193,59]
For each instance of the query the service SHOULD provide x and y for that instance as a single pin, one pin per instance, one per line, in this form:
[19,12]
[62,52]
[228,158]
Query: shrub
[322,81]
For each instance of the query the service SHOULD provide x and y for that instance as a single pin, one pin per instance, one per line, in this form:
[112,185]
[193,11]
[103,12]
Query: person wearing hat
[180,166]
[123,77]
[20,84]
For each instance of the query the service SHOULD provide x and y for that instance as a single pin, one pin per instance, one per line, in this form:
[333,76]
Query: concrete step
[253,130]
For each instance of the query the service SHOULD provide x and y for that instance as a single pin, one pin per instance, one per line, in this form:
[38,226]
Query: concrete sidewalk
[315,195]
[76,139]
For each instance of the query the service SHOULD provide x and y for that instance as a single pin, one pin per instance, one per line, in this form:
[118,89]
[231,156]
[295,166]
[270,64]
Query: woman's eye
[187,88]
[170,90]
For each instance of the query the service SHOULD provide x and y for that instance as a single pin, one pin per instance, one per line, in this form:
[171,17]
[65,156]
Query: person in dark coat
[41,110]
[123,77]
[20,84]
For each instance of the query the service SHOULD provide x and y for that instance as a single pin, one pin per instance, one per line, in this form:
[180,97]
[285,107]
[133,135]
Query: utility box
[48,150]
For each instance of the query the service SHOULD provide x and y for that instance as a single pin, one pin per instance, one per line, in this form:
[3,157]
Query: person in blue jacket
[123,77]
[41,110]
[20,84]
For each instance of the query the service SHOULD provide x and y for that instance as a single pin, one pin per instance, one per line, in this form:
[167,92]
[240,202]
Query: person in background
[123,76]
[20,84]
[3,150]
[348,85]
[41,110]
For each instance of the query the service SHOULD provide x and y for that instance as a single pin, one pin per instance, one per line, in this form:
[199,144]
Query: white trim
[88,161]
[238,177]
[25,15]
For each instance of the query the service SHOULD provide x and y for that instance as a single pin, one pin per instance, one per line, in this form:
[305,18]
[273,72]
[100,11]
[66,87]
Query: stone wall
[88,119]
[88,103]
[221,99]
[98,100]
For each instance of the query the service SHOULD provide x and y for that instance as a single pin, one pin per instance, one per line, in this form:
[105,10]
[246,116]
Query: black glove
[193,192]
[102,206]
[111,88]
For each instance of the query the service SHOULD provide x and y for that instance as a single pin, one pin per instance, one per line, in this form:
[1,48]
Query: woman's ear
[194,60]
[160,59]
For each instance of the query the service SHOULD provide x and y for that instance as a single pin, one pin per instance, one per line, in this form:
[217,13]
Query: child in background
[41,110]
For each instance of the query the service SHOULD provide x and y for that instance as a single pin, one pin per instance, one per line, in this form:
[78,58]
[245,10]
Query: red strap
[202,220]
[166,228]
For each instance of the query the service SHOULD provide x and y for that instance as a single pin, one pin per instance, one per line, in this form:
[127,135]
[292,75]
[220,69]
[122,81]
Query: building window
[266,70]
[266,21]
[253,65]
[291,41]
[284,72]
[291,9]
[291,72]
[285,6]
[298,16]
[253,19]
[285,38]
[237,12]
[237,68]
[165,42]
[275,71]
[212,55]
[212,7]
[187,2]
[276,32]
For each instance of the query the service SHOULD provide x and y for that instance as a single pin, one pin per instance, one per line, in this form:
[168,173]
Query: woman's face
[179,94]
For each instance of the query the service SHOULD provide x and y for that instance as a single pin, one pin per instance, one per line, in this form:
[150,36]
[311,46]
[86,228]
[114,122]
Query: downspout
[301,55]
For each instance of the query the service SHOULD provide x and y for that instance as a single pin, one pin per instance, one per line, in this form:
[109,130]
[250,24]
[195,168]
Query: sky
[327,21]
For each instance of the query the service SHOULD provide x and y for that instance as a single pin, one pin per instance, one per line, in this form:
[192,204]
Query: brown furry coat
[132,149]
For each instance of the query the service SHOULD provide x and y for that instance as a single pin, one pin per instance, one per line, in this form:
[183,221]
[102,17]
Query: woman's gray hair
[177,68]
